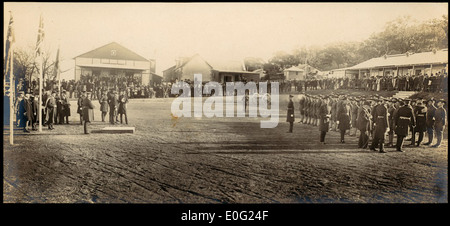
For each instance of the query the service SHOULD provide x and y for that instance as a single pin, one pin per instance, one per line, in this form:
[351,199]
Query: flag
[56,67]
[40,37]
[10,39]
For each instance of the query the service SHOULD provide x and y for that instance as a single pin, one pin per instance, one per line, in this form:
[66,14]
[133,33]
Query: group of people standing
[374,117]
[55,109]
[110,102]
[437,82]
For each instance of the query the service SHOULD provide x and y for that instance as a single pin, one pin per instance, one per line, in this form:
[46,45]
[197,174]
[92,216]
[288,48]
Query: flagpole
[40,98]
[12,94]
[58,73]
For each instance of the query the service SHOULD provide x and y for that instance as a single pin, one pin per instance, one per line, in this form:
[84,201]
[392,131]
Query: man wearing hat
[32,108]
[80,105]
[381,124]
[420,112]
[402,120]
[65,108]
[324,118]
[103,100]
[343,117]
[290,114]
[364,122]
[441,121]
[113,105]
[88,112]
[430,120]
[301,107]
[354,115]
[333,112]
[20,110]
[122,109]
[51,110]
[392,110]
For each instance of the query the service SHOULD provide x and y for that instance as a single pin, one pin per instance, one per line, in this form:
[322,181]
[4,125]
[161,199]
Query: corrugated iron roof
[397,60]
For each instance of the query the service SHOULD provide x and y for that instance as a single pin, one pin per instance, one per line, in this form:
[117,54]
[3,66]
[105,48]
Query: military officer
[420,112]
[364,123]
[381,125]
[307,107]
[123,100]
[394,105]
[343,117]
[80,105]
[441,121]
[103,100]
[402,120]
[324,118]
[20,110]
[51,110]
[333,112]
[354,116]
[113,105]
[430,120]
[88,112]
[301,106]
[290,114]
[65,108]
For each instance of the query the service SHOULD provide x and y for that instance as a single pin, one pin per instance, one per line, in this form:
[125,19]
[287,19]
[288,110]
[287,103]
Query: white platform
[118,130]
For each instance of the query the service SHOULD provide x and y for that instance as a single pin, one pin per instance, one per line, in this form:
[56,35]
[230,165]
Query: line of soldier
[375,117]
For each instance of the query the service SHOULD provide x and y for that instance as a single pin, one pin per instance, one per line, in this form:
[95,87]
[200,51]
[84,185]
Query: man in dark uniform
[324,118]
[343,117]
[307,105]
[363,123]
[301,107]
[122,110]
[381,124]
[420,112]
[402,120]
[103,100]
[441,121]
[391,111]
[315,110]
[65,108]
[290,114]
[431,109]
[333,113]
[20,110]
[51,110]
[88,112]
[354,116]
[113,105]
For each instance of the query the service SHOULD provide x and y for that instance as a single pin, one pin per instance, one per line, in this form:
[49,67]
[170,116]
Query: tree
[253,63]
[25,67]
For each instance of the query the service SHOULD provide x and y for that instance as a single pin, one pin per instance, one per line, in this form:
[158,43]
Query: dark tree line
[399,36]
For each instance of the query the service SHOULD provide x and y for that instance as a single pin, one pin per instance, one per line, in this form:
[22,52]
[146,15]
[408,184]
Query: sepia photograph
[225,103]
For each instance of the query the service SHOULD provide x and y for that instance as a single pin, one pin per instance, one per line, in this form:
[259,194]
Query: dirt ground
[212,160]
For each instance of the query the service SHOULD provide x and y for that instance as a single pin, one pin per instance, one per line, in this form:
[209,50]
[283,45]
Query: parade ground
[212,160]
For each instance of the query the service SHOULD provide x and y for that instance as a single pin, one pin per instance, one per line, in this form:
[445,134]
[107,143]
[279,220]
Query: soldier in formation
[375,117]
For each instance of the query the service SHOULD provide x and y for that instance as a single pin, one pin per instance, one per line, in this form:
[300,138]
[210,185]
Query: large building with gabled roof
[423,63]
[114,60]
[212,70]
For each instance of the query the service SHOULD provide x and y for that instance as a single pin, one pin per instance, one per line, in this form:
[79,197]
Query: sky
[217,31]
